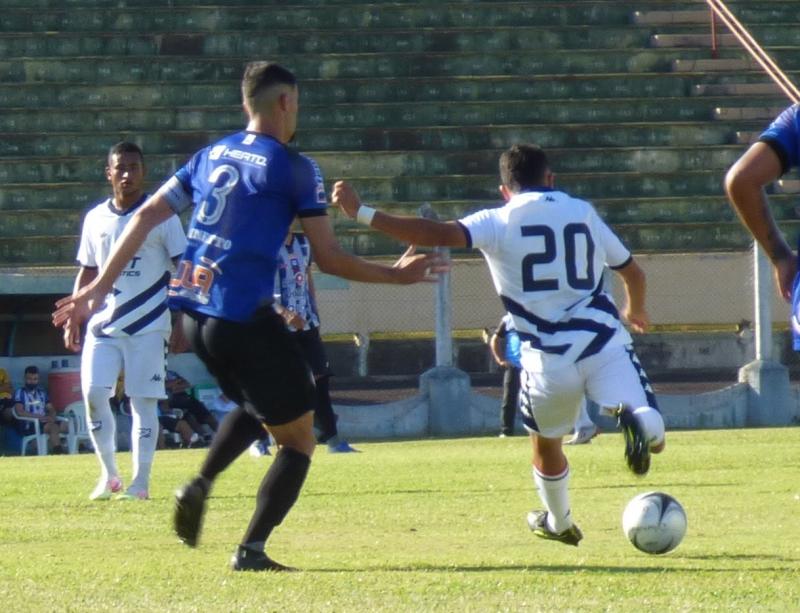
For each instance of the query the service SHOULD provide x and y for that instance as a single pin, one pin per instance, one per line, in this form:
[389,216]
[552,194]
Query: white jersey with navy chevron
[138,302]
[547,252]
[292,289]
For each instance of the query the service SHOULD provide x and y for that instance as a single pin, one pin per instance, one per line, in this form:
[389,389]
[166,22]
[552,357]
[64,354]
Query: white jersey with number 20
[547,252]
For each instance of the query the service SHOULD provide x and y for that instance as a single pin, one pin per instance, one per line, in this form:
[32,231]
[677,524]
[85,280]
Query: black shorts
[257,364]
[168,422]
[313,351]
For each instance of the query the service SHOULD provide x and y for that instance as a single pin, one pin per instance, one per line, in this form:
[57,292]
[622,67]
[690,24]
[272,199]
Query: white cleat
[106,488]
[583,435]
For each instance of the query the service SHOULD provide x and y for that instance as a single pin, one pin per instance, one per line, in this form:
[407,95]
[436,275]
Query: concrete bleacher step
[768,88]
[123,69]
[437,138]
[281,43]
[671,17]
[748,113]
[714,65]
[377,115]
[378,89]
[788,186]
[690,40]
[341,164]
[307,16]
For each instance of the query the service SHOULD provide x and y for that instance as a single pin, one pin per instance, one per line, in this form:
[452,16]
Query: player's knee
[97,399]
[653,424]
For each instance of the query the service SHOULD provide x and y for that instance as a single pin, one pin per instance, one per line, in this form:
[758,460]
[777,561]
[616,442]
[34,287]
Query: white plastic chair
[38,436]
[75,412]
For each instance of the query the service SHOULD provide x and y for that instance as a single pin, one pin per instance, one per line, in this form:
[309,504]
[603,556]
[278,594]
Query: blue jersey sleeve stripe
[776,145]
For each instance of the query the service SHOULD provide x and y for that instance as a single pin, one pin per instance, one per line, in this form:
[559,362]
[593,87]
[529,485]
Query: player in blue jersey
[130,332]
[776,152]
[546,252]
[246,190]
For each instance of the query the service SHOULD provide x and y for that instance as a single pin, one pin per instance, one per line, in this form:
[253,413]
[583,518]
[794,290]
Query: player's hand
[346,198]
[72,336]
[639,321]
[785,272]
[294,320]
[414,267]
[76,309]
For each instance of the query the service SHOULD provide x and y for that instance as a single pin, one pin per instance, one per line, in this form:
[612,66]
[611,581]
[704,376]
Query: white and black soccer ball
[654,522]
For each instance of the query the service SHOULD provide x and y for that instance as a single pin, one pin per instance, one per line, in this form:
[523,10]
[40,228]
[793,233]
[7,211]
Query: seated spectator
[169,420]
[33,402]
[194,411]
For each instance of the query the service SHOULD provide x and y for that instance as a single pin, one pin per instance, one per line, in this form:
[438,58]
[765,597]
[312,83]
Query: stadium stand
[412,100]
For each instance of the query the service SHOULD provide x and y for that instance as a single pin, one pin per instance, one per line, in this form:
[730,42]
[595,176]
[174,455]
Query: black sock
[236,433]
[277,494]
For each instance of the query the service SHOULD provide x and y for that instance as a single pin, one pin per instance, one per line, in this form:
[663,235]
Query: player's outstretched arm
[744,184]
[332,259]
[414,230]
[74,310]
[635,282]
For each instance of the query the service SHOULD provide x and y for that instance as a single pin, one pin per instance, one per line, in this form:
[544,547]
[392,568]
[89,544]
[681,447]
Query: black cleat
[537,522]
[190,506]
[247,559]
[637,448]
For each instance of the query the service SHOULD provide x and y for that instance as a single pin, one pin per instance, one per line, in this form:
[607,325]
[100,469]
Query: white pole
[444,334]
[763,303]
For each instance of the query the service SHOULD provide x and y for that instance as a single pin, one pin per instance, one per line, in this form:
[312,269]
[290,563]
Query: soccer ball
[654,522]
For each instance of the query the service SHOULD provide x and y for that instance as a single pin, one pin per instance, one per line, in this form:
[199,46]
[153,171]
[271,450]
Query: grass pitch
[434,525]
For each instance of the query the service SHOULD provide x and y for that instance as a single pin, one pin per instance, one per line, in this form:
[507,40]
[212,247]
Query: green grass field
[435,525]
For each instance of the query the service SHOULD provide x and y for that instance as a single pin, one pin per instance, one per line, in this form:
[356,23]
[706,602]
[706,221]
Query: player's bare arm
[332,259]
[635,282]
[76,309]
[415,230]
[744,184]
[73,333]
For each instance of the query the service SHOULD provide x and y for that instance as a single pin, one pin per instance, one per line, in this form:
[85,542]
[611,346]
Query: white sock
[554,492]
[144,437]
[102,429]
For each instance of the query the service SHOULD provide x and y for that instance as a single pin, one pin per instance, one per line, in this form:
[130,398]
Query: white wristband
[365,214]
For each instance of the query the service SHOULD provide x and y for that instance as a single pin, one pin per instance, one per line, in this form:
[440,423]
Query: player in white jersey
[547,252]
[130,332]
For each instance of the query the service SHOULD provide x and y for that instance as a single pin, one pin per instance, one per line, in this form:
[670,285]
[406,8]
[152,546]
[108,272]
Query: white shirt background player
[129,334]
[547,252]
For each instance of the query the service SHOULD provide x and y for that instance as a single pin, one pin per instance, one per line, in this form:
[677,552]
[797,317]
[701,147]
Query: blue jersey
[783,135]
[246,188]
[292,288]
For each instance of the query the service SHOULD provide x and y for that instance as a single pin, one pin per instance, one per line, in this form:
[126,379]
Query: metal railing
[720,11]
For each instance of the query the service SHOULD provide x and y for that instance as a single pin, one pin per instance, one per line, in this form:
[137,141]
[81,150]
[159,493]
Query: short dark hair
[523,167]
[125,147]
[31,370]
[259,76]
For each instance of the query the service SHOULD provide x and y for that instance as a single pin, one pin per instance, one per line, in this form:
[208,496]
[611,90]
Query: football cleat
[342,447]
[637,448]
[537,522]
[106,488]
[247,559]
[583,435]
[190,506]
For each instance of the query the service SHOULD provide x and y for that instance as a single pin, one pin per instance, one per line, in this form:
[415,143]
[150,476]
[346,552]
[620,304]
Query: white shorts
[550,402]
[143,359]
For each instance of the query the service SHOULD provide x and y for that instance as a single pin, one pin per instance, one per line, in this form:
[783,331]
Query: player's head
[523,168]
[125,172]
[269,94]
